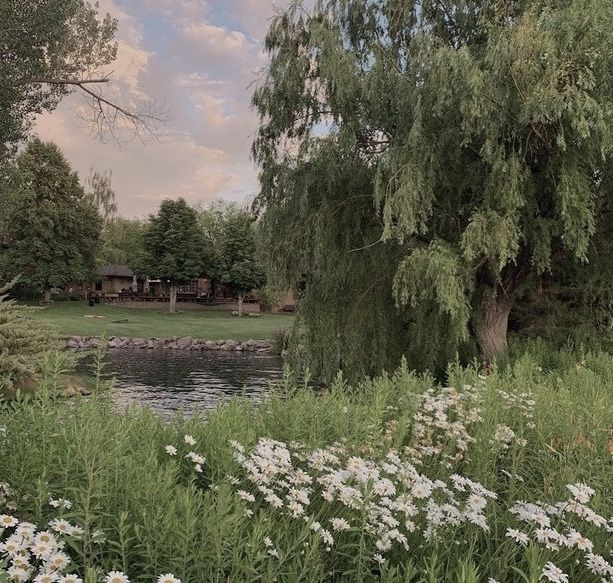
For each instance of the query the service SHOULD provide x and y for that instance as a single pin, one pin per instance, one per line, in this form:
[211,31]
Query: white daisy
[11,546]
[518,536]
[171,450]
[196,458]
[76,531]
[553,574]
[19,575]
[42,550]
[246,496]
[60,525]
[339,524]
[7,521]
[327,537]
[58,561]
[61,503]
[168,578]
[576,539]
[189,440]
[26,530]
[116,577]
[581,492]
[46,578]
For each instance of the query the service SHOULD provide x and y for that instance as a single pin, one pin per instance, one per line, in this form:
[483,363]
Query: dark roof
[115,271]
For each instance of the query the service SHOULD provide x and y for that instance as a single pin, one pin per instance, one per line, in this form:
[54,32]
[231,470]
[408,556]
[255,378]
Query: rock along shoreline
[174,343]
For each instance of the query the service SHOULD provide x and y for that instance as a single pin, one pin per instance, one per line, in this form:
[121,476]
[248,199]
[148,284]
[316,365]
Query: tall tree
[122,242]
[213,217]
[49,49]
[173,246]
[480,132]
[237,264]
[54,229]
[100,191]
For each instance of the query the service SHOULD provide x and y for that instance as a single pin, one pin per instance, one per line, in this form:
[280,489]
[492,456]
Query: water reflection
[167,380]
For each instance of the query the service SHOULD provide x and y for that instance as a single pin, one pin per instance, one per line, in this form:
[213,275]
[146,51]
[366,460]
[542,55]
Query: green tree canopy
[237,264]
[122,242]
[43,46]
[53,229]
[213,217]
[173,246]
[445,151]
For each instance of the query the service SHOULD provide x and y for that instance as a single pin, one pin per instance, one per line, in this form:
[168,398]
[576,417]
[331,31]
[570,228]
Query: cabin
[114,279]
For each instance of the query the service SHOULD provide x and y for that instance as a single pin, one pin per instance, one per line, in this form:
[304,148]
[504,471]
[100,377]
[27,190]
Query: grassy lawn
[72,319]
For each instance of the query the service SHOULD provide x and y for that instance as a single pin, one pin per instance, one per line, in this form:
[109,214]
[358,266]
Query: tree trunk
[240,305]
[173,299]
[490,324]
[47,295]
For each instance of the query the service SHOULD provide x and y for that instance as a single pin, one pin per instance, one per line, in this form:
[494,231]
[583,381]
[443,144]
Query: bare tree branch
[53,81]
[106,116]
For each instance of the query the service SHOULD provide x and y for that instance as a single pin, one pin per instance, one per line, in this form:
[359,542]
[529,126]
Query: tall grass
[146,512]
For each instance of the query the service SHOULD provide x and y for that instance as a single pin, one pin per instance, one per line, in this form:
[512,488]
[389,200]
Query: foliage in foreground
[24,344]
[394,480]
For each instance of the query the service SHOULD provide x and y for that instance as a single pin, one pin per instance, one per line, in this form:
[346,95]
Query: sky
[198,61]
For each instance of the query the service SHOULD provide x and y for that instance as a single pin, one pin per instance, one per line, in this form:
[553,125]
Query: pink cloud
[203,77]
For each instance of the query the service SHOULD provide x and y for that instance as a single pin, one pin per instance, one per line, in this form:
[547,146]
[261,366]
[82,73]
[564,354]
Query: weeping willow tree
[421,160]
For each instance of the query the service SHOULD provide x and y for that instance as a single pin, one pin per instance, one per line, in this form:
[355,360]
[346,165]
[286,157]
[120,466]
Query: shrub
[24,344]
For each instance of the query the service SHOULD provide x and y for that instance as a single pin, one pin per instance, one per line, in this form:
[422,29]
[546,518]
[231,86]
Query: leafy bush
[397,479]
[24,344]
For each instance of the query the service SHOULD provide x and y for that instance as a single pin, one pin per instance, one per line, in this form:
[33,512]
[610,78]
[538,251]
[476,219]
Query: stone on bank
[174,343]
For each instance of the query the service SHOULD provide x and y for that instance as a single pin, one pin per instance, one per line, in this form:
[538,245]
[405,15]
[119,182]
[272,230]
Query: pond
[167,380]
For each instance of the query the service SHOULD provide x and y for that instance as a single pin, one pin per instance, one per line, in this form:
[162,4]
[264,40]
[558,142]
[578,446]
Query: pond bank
[173,343]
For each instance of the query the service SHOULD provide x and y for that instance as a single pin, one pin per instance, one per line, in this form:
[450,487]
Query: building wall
[115,284]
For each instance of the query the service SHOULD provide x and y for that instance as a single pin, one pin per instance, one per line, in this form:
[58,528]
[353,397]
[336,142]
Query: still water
[167,380]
